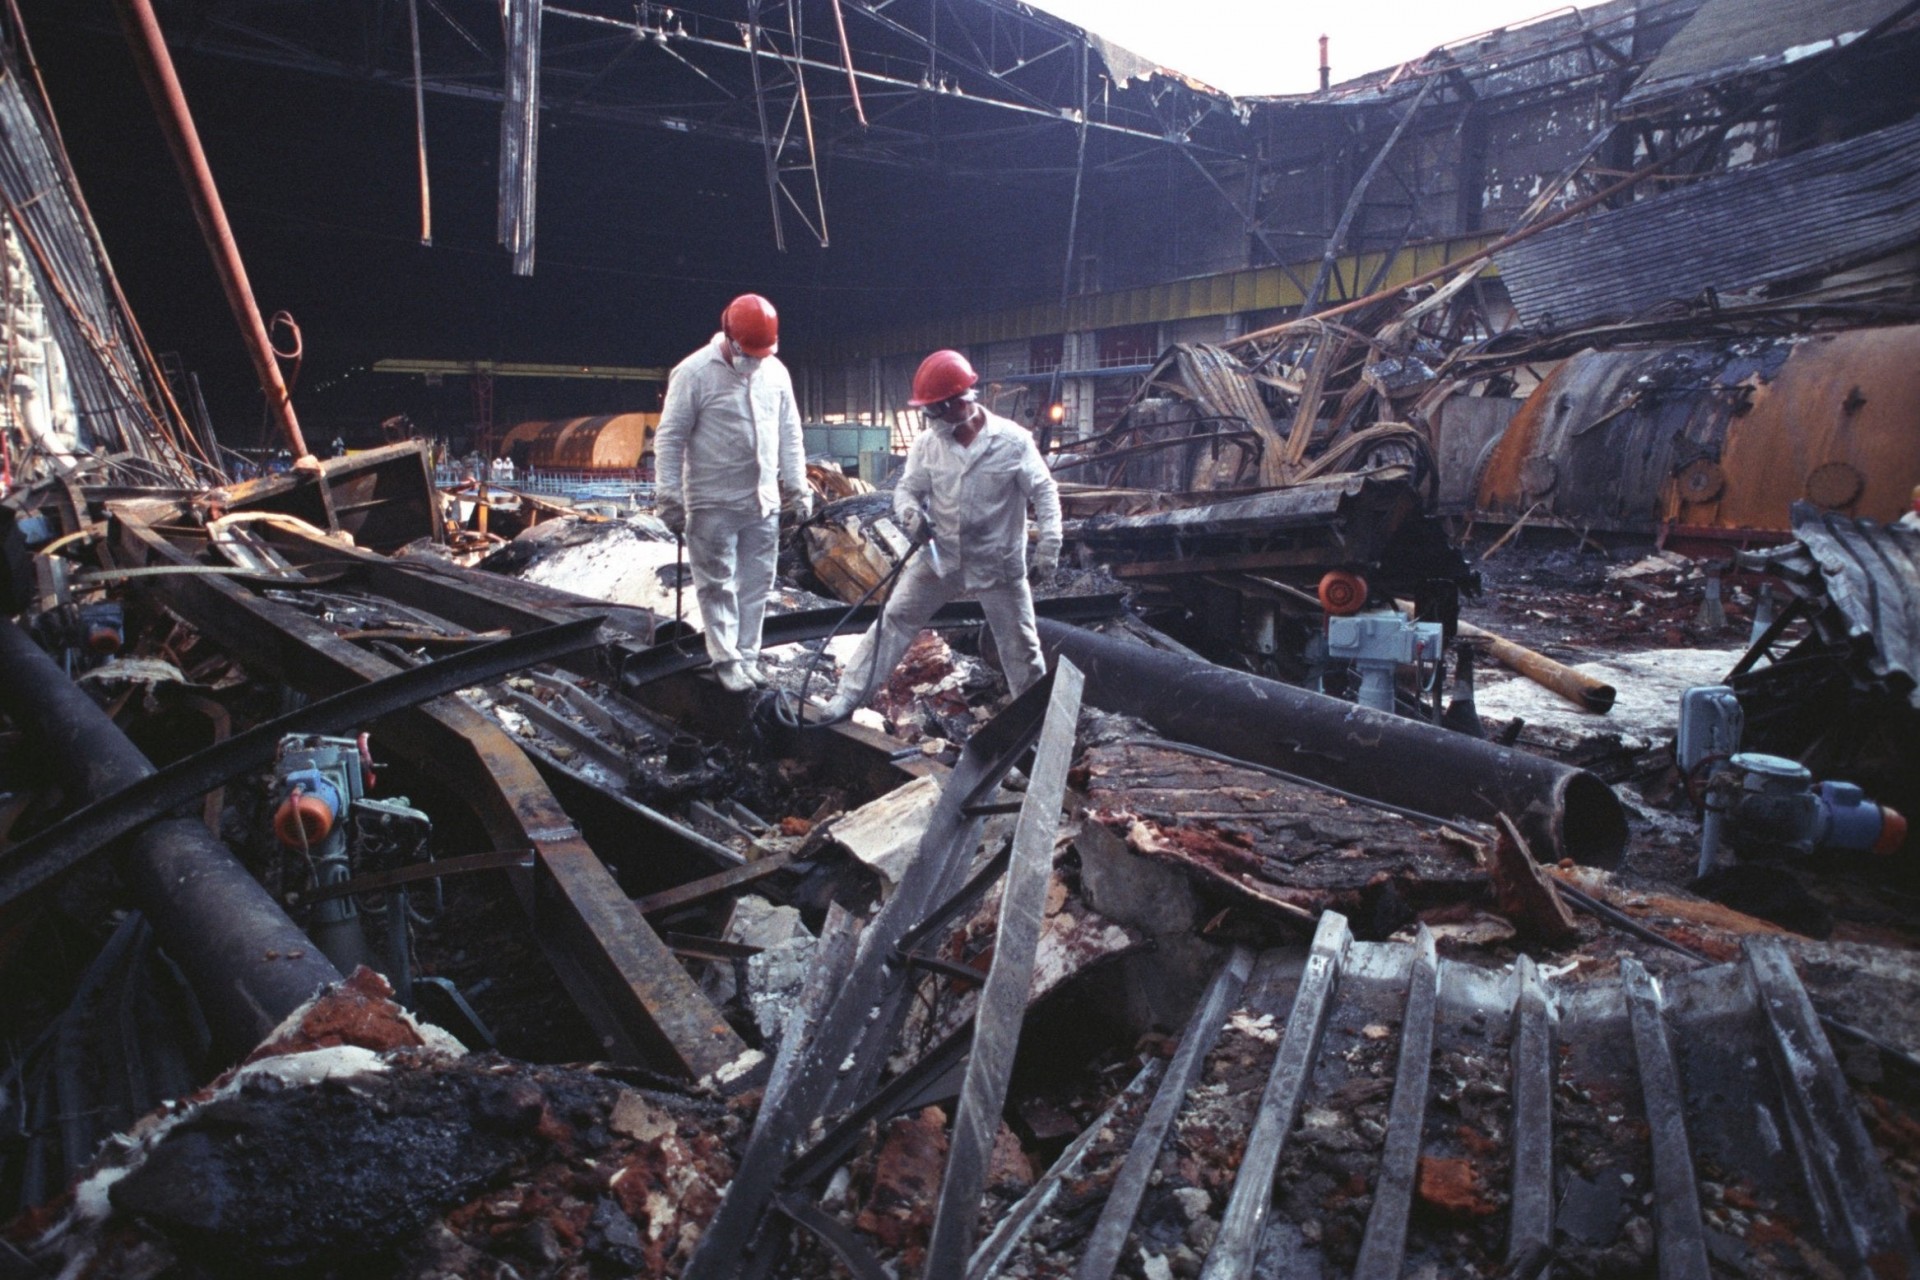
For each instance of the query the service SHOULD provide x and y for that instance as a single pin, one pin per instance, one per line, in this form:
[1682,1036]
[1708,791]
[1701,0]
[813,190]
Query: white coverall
[977,496]
[727,452]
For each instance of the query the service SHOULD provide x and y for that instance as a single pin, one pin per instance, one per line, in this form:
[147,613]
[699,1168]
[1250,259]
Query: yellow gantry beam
[508,369]
[1225,293]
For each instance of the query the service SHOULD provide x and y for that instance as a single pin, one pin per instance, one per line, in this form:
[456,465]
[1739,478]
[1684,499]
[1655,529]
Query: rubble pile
[1461,830]
[356,1139]
[1179,1217]
[763,864]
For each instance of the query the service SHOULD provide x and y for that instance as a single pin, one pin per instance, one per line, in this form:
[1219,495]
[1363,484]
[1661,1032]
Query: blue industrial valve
[1378,643]
[316,782]
[323,814]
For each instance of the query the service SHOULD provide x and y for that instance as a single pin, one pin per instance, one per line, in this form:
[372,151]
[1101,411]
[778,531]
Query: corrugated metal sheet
[1729,38]
[109,381]
[1873,577]
[1822,209]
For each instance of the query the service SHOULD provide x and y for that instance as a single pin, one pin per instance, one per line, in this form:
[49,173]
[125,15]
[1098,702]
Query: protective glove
[799,506]
[1046,560]
[914,523]
[672,514]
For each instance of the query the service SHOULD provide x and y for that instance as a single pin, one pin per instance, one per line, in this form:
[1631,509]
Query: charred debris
[1460,833]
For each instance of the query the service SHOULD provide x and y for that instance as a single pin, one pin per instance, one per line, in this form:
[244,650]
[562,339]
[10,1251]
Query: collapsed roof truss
[958,86]
[923,71]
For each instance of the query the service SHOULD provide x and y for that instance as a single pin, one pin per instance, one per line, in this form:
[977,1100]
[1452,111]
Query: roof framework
[963,85]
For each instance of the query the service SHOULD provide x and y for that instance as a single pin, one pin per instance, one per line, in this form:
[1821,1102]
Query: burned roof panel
[1873,576]
[1565,45]
[1729,38]
[1824,208]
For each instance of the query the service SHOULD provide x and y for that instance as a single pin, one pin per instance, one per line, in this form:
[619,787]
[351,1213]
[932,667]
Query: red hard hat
[941,376]
[751,321]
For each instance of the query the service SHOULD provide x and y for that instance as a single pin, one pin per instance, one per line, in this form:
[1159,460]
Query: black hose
[789,709]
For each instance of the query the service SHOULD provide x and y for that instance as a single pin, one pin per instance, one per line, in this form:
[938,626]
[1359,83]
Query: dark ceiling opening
[653,201]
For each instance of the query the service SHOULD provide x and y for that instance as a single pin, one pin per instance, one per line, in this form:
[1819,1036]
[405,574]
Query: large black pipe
[248,963]
[1563,811]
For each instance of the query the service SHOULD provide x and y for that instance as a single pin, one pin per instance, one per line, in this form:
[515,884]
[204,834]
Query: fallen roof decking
[1728,39]
[1598,1121]
[1825,208]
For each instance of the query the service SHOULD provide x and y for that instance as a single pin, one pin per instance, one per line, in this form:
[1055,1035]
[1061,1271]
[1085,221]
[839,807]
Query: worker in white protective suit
[968,483]
[729,460]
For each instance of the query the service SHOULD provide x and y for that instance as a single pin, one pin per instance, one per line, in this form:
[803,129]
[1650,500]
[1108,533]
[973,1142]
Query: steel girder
[624,978]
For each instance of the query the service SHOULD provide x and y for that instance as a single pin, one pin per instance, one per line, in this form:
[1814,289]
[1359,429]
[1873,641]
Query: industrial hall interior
[950,639]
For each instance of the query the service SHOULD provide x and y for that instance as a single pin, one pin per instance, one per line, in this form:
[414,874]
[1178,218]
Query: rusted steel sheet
[524,434]
[383,497]
[618,970]
[605,442]
[1465,431]
[1266,841]
[1562,810]
[1215,434]
[1717,436]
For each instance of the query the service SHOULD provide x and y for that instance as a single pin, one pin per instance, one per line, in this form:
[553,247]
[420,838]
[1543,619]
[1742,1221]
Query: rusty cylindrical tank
[1720,436]
[609,442]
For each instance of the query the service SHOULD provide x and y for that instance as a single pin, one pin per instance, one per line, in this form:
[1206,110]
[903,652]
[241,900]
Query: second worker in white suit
[968,482]
[728,459]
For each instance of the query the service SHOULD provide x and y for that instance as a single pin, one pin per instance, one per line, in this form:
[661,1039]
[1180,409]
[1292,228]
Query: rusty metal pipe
[846,56]
[247,962]
[1405,762]
[150,54]
[1576,687]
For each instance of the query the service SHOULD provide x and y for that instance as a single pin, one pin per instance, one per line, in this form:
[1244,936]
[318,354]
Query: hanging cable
[789,709]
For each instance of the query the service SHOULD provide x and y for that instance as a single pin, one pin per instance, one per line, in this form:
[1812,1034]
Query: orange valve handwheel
[1343,593]
[303,819]
[1893,832]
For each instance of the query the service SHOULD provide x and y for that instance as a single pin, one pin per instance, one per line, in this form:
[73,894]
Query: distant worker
[338,449]
[967,485]
[729,458]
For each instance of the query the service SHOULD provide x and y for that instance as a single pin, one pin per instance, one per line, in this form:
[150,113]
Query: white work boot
[733,676]
[751,668]
[836,709]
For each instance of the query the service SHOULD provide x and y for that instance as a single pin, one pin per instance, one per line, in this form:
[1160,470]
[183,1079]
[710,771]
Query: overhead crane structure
[906,85]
